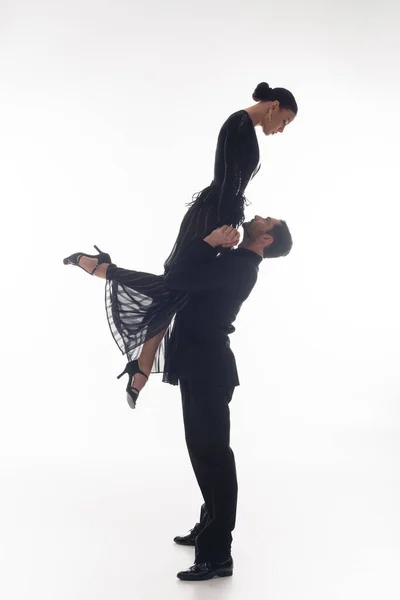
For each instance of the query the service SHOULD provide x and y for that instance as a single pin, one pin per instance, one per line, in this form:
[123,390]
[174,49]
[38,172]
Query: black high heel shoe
[74,259]
[132,368]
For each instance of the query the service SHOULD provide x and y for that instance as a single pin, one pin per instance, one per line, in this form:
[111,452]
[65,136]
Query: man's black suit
[199,355]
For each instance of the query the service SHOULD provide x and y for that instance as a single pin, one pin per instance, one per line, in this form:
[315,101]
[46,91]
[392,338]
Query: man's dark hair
[282,244]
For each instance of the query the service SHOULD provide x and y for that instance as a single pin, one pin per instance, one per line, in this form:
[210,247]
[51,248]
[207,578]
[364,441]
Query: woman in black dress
[140,308]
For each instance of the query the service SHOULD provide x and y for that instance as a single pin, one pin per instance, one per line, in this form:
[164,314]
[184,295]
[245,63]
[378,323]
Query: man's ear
[267,240]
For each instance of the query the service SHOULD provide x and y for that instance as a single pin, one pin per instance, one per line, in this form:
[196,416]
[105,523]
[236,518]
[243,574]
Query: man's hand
[225,236]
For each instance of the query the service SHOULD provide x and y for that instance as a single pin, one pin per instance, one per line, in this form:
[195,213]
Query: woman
[139,307]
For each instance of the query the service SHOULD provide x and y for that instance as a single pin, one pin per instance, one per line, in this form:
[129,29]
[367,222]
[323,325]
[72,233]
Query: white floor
[103,530]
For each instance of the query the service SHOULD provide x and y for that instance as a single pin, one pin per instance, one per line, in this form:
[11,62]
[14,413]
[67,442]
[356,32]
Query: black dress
[139,305]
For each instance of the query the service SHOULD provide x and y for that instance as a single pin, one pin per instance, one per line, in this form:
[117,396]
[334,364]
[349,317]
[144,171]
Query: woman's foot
[137,380]
[88,264]
[94,264]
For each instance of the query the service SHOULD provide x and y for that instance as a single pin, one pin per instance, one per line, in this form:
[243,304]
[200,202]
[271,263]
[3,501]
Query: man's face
[260,226]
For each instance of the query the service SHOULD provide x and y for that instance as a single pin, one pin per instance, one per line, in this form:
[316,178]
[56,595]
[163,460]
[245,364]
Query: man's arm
[188,275]
[196,252]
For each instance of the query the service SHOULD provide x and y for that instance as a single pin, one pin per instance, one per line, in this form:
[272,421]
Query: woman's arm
[230,198]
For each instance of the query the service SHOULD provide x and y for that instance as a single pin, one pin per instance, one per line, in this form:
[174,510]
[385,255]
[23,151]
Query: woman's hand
[225,236]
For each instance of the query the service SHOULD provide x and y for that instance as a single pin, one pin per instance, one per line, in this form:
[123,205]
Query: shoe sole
[227,573]
[185,543]
[131,403]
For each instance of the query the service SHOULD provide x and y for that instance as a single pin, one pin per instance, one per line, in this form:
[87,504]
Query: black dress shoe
[190,538]
[207,570]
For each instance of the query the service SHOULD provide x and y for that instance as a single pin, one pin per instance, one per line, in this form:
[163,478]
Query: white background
[109,117]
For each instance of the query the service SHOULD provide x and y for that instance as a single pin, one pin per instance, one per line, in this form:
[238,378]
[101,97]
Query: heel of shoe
[122,374]
[103,257]
[132,368]
[224,569]
[225,573]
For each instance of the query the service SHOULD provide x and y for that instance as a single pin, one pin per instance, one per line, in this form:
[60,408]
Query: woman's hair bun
[262,93]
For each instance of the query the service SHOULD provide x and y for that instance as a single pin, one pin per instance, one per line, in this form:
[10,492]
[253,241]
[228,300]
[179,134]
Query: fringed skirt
[139,305]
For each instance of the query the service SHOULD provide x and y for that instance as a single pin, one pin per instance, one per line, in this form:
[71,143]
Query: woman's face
[276,119]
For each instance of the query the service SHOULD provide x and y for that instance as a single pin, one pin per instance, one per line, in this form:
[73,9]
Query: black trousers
[206,418]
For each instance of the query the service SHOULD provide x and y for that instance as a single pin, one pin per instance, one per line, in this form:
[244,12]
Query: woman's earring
[269,116]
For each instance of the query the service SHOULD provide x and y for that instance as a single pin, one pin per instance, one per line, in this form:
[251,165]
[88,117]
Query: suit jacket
[199,346]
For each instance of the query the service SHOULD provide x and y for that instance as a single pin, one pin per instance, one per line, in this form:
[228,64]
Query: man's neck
[252,247]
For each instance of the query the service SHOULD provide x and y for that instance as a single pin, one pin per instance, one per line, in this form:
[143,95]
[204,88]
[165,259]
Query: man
[200,357]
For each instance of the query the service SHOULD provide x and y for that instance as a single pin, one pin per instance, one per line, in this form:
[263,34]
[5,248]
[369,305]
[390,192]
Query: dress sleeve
[231,198]
[191,275]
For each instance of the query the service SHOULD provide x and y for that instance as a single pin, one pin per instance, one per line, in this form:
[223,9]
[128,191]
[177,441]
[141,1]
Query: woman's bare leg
[146,359]
[90,263]
[149,350]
